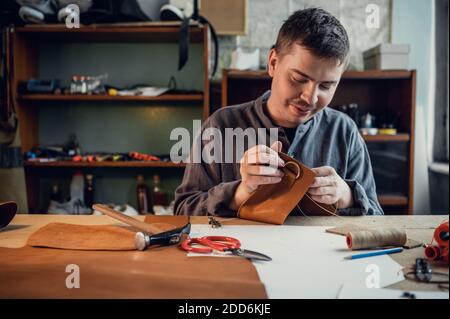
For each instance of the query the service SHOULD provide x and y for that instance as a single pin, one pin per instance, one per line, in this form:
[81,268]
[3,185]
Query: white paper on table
[351,291]
[306,261]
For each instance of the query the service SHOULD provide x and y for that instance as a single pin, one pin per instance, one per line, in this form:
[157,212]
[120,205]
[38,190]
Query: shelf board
[377,74]
[129,32]
[348,75]
[401,137]
[248,74]
[393,200]
[123,164]
[79,97]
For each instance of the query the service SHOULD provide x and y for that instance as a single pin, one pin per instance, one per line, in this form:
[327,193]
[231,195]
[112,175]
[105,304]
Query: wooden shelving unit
[163,97]
[25,49]
[377,92]
[392,200]
[401,137]
[131,164]
[156,32]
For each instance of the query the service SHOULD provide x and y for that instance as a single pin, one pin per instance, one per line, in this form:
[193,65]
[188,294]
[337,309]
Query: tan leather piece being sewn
[273,203]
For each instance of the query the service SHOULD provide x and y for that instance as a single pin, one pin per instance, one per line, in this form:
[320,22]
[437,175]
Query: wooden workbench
[419,228]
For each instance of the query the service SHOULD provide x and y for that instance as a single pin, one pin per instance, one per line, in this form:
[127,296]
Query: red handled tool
[206,245]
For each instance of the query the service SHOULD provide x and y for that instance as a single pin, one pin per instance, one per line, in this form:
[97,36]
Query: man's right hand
[260,165]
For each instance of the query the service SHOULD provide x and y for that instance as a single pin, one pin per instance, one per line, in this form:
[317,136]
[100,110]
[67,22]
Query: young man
[306,64]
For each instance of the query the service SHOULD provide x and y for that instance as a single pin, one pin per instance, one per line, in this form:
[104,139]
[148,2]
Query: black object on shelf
[159,196]
[144,197]
[42,86]
[10,157]
[352,110]
[89,190]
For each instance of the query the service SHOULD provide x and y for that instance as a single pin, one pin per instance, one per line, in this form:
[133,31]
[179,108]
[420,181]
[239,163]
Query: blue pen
[376,253]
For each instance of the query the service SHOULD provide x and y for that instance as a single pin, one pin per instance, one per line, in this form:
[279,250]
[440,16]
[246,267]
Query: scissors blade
[250,254]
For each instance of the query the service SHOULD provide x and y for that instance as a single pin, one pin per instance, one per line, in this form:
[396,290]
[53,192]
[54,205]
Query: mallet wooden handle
[148,228]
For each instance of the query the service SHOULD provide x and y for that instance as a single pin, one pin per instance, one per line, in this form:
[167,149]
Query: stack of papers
[306,261]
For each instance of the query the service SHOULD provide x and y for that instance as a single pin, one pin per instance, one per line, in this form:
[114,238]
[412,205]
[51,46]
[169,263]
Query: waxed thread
[369,238]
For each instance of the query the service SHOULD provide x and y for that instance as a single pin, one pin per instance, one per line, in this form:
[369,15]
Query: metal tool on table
[148,228]
[150,234]
[207,244]
[214,222]
[143,240]
[423,272]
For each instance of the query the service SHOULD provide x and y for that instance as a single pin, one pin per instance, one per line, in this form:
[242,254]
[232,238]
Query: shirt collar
[260,107]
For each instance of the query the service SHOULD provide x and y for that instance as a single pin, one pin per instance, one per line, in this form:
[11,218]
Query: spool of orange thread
[439,251]
[441,234]
[432,252]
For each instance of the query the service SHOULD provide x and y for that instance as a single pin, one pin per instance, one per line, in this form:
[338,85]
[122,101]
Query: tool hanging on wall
[439,251]
[170,13]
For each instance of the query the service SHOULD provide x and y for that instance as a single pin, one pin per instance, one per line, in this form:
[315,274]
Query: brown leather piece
[312,208]
[95,237]
[273,203]
[83,237]
[176,221]
[159,272]
[164,272]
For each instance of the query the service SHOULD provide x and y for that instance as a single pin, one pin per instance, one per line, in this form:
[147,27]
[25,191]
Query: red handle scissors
[207,244]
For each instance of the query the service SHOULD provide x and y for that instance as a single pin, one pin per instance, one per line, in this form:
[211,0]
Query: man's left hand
[329,188]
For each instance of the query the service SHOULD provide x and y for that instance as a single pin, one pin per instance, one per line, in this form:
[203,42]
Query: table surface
[419,228]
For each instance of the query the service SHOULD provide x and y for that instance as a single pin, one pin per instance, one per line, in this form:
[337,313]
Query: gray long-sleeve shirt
[330,138]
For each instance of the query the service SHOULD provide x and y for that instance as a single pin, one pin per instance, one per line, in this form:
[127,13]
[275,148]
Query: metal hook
[299,169]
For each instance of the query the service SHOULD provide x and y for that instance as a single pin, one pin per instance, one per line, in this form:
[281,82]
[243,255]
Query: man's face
[302,84]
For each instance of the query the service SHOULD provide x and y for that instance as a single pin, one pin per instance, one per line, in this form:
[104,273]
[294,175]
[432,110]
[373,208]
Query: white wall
[412,22]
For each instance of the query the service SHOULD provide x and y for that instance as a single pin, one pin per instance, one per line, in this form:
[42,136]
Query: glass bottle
[89,191]
[144,198]
[159,196]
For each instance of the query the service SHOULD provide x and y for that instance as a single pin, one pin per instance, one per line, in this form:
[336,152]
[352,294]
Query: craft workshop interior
[102,102]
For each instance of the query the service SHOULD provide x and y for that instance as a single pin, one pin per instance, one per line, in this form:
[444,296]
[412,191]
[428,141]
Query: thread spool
[441,234]
[439,251]
[363,239]
[432,252]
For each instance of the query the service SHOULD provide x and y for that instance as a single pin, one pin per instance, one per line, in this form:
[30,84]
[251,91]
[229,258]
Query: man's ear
[272,60]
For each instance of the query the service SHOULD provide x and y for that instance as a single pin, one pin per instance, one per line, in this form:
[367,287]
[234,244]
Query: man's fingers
[263,149]
[272,159]
[320,191]
[277,146]
[262,170]
[324,171]
[323,181]
[262,180]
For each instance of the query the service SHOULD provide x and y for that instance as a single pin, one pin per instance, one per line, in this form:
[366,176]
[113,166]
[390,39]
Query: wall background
[265,18]
[141,127]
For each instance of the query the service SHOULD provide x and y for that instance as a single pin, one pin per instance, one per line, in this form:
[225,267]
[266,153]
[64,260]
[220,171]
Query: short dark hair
[318,31]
